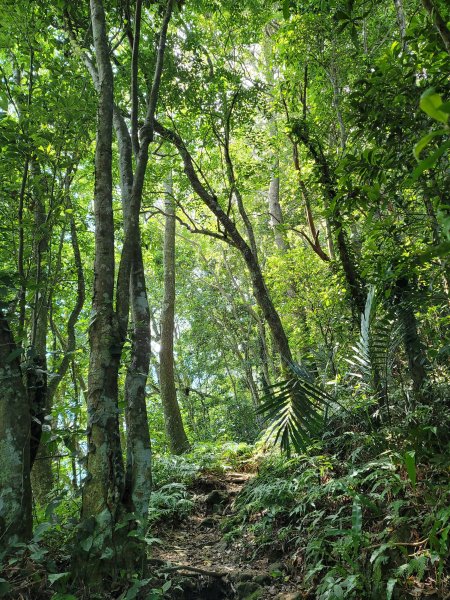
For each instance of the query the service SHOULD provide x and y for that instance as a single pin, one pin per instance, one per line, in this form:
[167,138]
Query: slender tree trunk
[41,474]
[176,434]
[415,351]
[15,488]
[104,484]
[401,21]
[275,214]
[351,272]
[138,469]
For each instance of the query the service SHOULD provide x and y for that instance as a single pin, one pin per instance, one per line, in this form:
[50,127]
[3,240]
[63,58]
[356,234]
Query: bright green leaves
[422,143]
[431,103]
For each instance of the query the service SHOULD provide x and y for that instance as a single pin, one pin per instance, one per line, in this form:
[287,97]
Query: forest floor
[207,566]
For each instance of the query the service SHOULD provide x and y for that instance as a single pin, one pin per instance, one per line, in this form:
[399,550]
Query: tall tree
[176,434]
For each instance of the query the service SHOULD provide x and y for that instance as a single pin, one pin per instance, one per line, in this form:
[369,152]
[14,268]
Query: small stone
[276,567]
[208,522]
[248,590]
[263,579]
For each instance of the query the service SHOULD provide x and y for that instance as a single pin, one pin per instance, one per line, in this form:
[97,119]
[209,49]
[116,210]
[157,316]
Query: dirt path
[212,568]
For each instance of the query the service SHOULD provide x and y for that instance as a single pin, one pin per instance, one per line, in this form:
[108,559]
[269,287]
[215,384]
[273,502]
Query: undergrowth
[364,515]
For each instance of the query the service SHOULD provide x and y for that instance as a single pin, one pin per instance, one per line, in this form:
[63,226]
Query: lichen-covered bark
[104,483]
[15,488]
[177,437]
[139,465]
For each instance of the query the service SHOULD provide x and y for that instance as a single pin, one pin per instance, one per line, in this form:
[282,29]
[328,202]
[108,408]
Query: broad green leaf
[52,577]
[430,102]
[423,142]
[5,587]
[429,162]
[410,464]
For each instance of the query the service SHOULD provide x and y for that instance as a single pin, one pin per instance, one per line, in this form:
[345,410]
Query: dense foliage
[225,227]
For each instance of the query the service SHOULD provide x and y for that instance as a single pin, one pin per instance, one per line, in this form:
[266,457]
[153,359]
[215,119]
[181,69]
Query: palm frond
[374,352]
[293,409]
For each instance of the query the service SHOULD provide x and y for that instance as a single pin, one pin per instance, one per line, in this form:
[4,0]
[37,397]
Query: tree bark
[178,441]
[414,349]
[36,369]
[352,275]
[139,460]
[275,214]
[103,488]
[15,487]
[401,21]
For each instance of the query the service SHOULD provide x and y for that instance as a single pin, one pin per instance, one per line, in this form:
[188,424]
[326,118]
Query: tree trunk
[276,217]
[401,22]
[412,343]
[104,483]
[15,488]
[138,469]
[176,435]
[41,474]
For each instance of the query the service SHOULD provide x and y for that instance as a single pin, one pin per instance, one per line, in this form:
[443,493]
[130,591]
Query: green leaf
[356,516]
[286,6]
[40,530]
[431,102]
[390,588]
[5,587]
[52,577]
[294,410]
[86,544]
[166,586]
[410,464]
[423,142]
[14,354]
[429,162]
[107,554]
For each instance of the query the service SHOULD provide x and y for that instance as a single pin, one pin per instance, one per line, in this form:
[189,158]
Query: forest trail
[208,567]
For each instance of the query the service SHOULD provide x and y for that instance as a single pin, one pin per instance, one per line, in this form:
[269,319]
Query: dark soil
[207,567]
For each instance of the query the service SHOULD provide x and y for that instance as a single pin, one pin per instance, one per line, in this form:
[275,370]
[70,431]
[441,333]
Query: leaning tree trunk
[260,290]
[176,435]
[15,488]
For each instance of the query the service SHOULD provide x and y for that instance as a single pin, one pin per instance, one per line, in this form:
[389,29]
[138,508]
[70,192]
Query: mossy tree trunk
[103,488]
[15,487]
